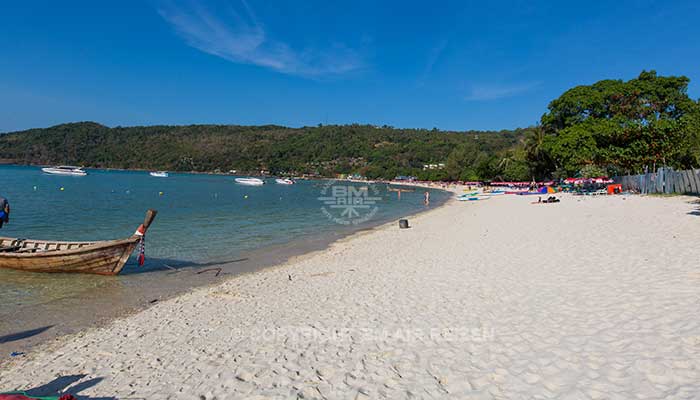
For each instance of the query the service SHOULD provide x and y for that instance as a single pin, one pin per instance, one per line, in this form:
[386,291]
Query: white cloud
[496,92]
[433,57]
[235,34]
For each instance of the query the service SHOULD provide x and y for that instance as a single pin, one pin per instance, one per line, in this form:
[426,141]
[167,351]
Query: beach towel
[24,396]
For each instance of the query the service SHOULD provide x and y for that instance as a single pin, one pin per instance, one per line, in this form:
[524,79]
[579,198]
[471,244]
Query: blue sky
[452,65]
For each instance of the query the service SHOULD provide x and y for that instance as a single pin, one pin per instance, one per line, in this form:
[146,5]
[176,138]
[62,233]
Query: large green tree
[621,126]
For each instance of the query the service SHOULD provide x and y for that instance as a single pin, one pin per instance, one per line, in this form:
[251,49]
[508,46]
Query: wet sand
[100,299]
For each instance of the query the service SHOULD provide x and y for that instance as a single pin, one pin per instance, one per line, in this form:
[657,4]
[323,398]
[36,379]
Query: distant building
[433,166]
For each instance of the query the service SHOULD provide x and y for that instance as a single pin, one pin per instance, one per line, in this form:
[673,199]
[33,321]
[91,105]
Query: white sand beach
[590,298]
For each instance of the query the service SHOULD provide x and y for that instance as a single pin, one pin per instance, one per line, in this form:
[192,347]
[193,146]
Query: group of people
[550,199]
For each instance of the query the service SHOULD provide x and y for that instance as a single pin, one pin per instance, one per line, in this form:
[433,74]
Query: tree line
[324,150]
[608,128]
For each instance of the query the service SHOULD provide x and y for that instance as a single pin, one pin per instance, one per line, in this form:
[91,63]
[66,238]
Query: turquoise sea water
[202,220]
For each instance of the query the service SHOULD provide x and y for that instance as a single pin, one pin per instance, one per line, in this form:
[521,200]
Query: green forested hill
[608,128]
[326,150]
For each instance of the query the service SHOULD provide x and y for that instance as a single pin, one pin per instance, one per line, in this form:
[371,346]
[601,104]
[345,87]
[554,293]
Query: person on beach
[4,211]
[426,198]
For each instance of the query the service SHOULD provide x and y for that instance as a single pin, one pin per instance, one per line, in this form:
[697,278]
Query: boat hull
[105,257]
[55,171]
[102,258]
[250,181]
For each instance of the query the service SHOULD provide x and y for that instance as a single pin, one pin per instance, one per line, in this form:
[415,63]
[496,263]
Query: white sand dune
[590,298]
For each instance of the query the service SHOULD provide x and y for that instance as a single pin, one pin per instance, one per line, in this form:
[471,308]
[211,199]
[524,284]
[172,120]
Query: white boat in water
[284,181]
[64,170]
[159,174]
[250,181]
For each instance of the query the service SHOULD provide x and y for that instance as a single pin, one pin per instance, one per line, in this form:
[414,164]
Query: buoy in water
[245,197]
[403,224]
[160,193]
[62,189]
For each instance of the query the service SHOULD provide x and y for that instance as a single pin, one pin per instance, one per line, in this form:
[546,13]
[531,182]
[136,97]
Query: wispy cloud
[433,57]
[496,92]
[234,33]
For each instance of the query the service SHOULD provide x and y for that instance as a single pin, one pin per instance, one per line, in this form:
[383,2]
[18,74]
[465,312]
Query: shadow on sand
[24,334]
[66,384]
[153,265]
[696,211]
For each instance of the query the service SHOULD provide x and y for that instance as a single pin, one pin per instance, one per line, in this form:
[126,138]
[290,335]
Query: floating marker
[35,188]
[62,189]
[245,197]
[160,193]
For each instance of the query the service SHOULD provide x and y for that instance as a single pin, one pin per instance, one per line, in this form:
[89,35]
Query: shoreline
[70,316]
[426,312]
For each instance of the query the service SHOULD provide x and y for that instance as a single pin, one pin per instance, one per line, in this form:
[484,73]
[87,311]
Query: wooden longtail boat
[102,257]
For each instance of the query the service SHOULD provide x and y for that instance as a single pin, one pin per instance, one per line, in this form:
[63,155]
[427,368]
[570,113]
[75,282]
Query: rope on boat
[169,267]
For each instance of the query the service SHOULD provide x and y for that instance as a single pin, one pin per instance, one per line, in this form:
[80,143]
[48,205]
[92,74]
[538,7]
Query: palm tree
[540,162]
[534,140]
[507,159]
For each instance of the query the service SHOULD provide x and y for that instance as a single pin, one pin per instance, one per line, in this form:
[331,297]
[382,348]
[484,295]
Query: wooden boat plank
[105,262]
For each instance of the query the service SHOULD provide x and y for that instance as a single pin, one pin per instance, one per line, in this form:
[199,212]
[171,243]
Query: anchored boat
[284,181]
[64,170]
[100,257]
[159,174]
[250,181]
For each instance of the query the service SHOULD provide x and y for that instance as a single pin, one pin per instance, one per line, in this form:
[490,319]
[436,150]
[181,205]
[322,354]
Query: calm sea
[203,221]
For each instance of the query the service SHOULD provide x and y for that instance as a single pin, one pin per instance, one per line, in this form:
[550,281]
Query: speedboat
[64,170]
[159,174]
[284,181]
[473,193]
[473,198]
[250,181]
